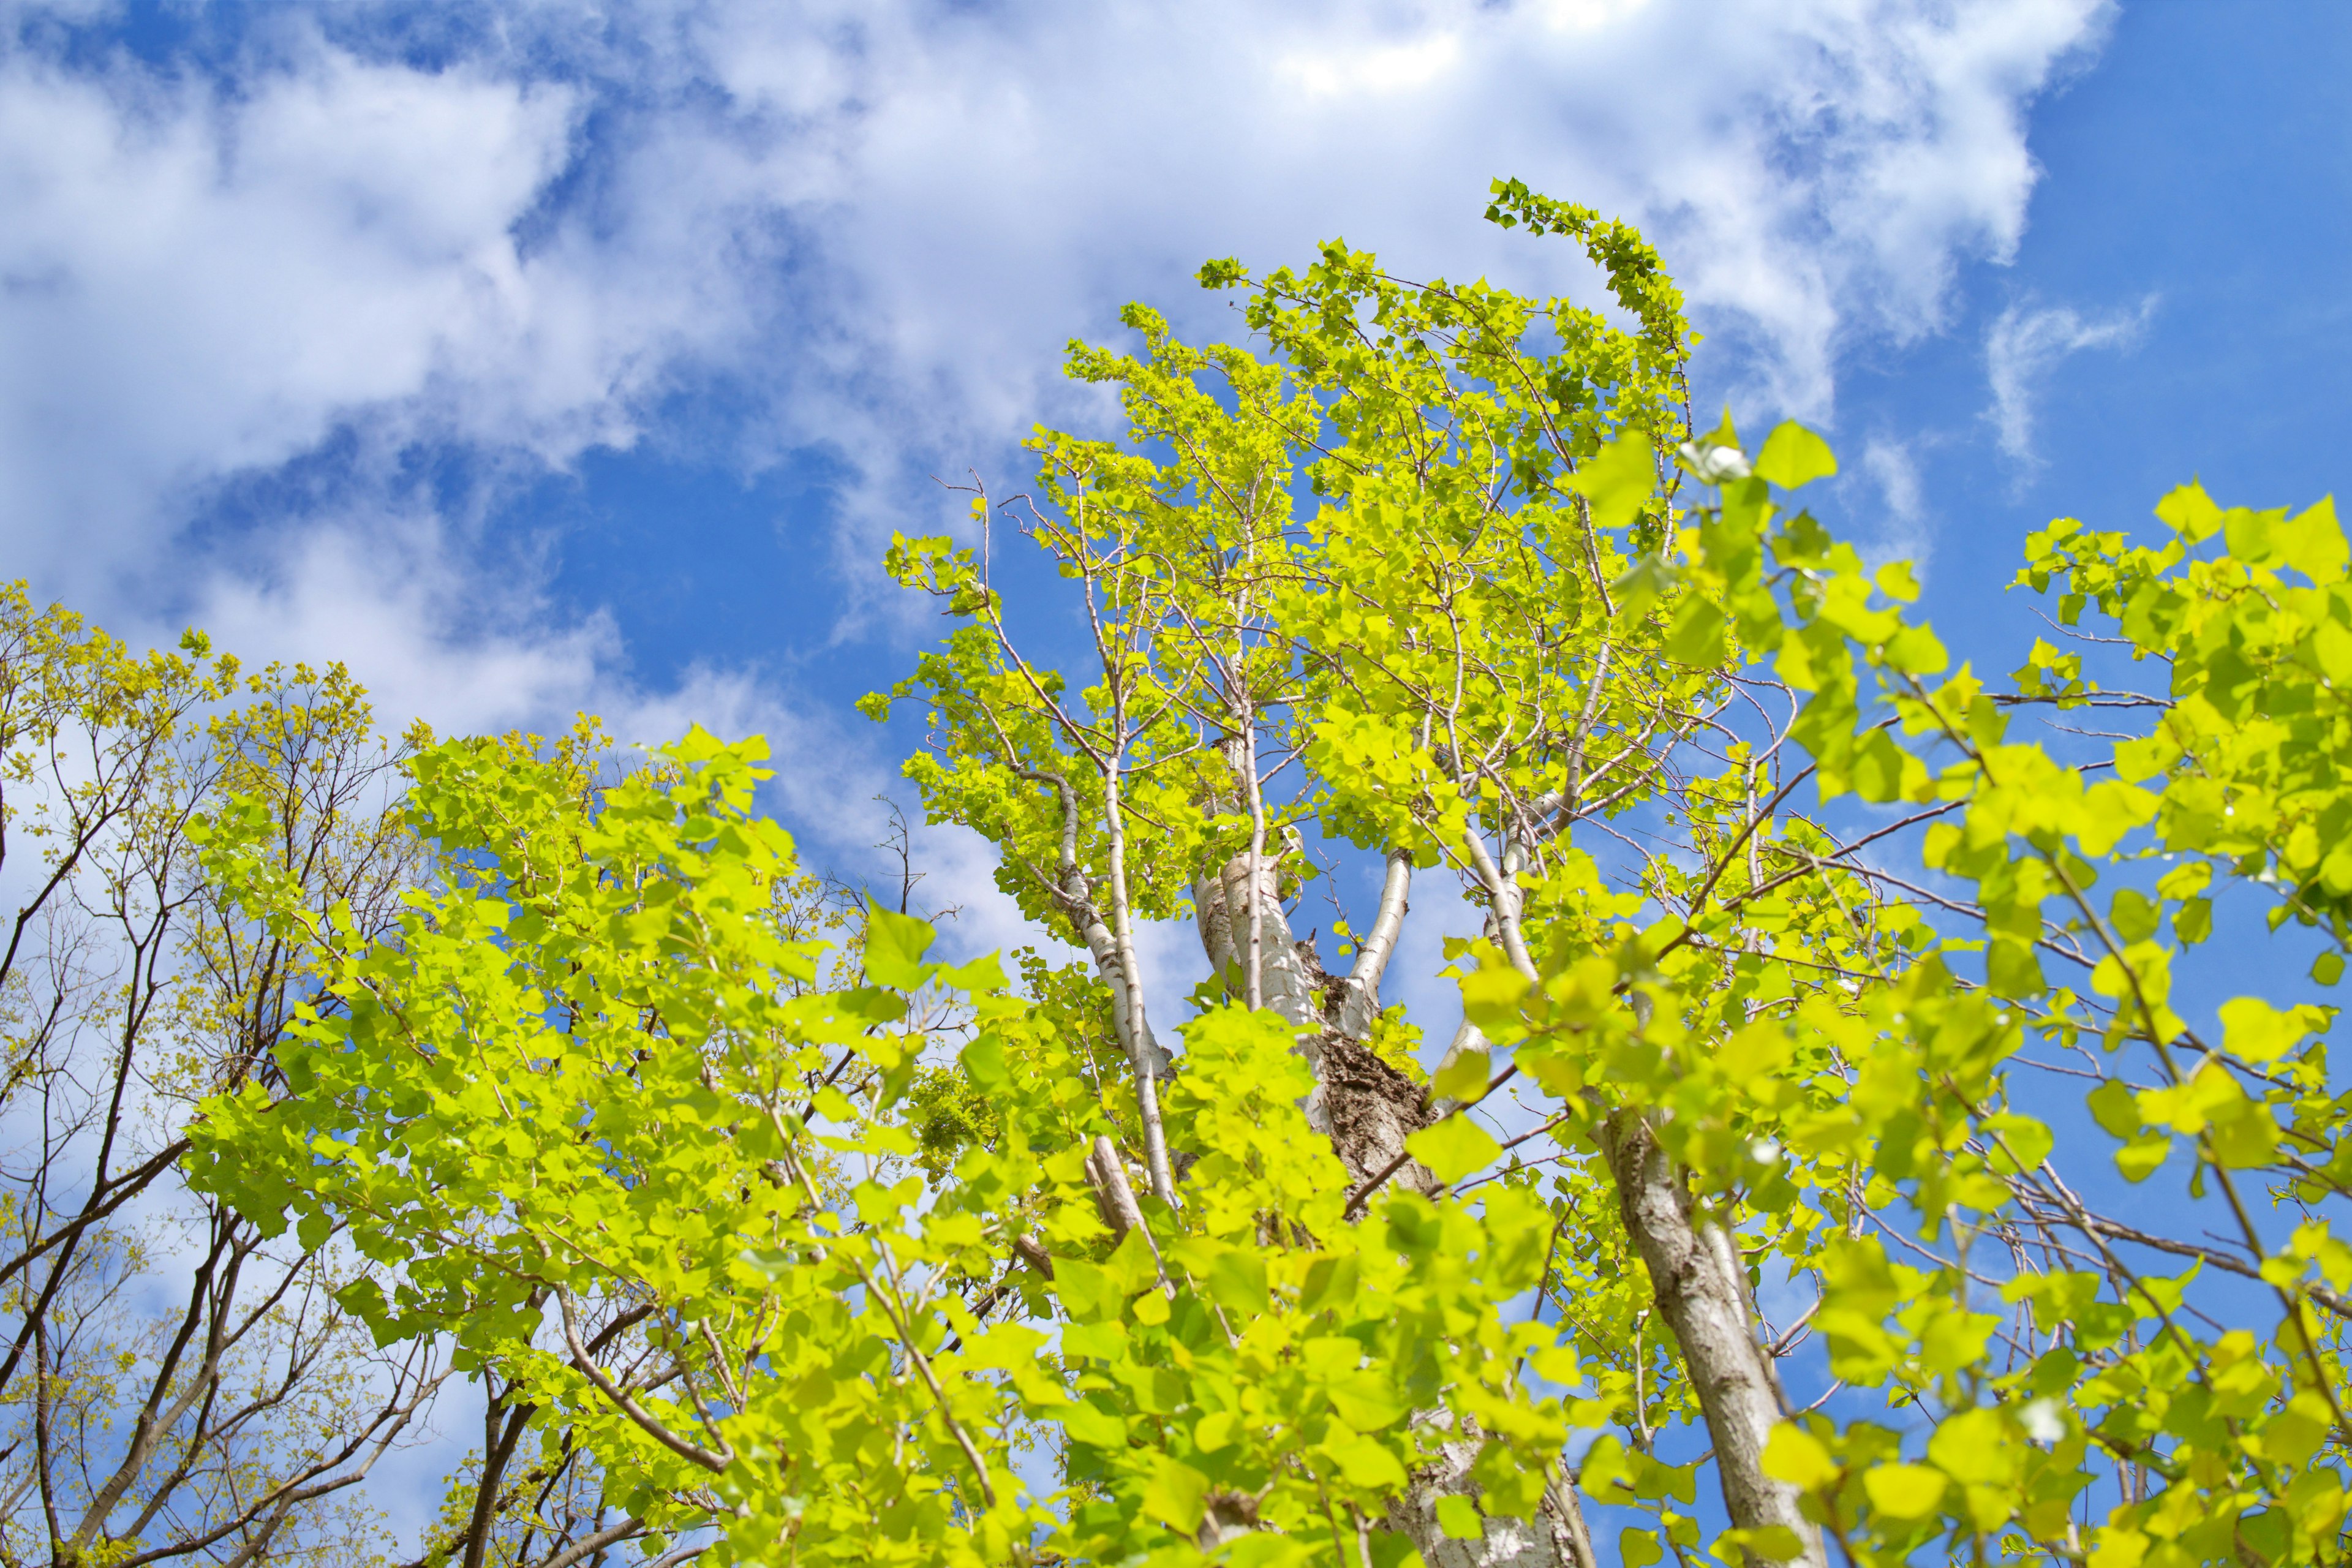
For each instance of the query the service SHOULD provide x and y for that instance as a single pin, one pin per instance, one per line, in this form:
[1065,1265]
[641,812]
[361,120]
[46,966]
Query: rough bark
[1555,1538]
[1702,1295]
[1365,1107]
[1368,1108]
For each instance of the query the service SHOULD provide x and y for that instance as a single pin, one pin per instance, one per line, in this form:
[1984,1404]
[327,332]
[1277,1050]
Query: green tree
[172,1383]
[817,1254]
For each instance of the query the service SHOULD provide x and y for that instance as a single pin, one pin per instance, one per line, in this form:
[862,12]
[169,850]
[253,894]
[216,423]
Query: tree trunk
[1365,1107]
[1368,1108]
[1701,1293]
[1555,1538]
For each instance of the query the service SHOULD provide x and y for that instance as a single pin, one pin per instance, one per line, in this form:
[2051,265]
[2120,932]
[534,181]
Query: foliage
[1770,1156]
[171,1384]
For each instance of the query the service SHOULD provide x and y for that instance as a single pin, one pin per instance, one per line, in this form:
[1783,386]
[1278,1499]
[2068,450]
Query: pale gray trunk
[1134,1035]
[1149,1060]
[1695,1273]
[1368,1108]
[1555,1538]
[1702,1293]
[1365,1107]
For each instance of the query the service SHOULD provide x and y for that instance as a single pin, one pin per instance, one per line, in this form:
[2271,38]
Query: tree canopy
[1827,1165]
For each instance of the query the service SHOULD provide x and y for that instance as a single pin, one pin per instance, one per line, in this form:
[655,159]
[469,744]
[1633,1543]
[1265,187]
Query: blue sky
[549,356]
[543,355]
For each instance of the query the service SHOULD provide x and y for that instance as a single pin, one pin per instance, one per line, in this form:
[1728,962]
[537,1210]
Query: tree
[811,1254]
[171,1385]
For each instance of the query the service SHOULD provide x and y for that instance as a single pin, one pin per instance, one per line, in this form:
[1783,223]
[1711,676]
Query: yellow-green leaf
[1173,1495]
[1454,1148]
[1905,1491]
[1457,1517]
[1367,1463]
[1793,455]
[1795,1456]
[1617,480]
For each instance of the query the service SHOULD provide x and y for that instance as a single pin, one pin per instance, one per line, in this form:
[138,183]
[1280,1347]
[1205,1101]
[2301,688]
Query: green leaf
[2012,970]
[1093,1427]
[1454,1148]
[1367,1463]
[1086,1292]
[2138,1160]
[1217,1431]
[1131,1266]
[1916,650]
[1237,1279]
[1905,1491]
[1772,1543]
[2193,921]
[1794,455]
[1174,1493]
[2244,1135]
[2114,1108]
[1795,1456]
[1466,1075]
[1330,1282]
[1977,1446]
[984,1061]
[2023,1137]
[1457,1518]
[1642,586]
[894,945]
[1491,995]
[2134,914]
[1697,638]
[1617,480]
[1105,1341]
[1365,1400]
[2254,1031]
[2190,512]
[2314,544]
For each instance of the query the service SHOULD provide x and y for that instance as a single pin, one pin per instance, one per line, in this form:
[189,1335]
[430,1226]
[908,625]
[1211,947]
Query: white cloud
[2023,345]
[1379,70]
[192,286]
[883,219]
[1812,171]
[872,226]
[1902,532]
[386,595]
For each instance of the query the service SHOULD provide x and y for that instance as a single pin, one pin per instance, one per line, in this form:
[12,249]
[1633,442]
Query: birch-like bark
[1365,1107]
[1692,1265]
[1114,962]
[1694,1273]
[1556,1538]
[1368,1108]
[1359,1004]
[1129,1023]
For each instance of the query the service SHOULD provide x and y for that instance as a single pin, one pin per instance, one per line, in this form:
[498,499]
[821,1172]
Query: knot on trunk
[1372,1108]
[1223,1516]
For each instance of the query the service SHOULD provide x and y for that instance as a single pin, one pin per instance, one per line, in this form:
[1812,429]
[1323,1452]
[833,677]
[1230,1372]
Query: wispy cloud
[2023,345]
[1904,530]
